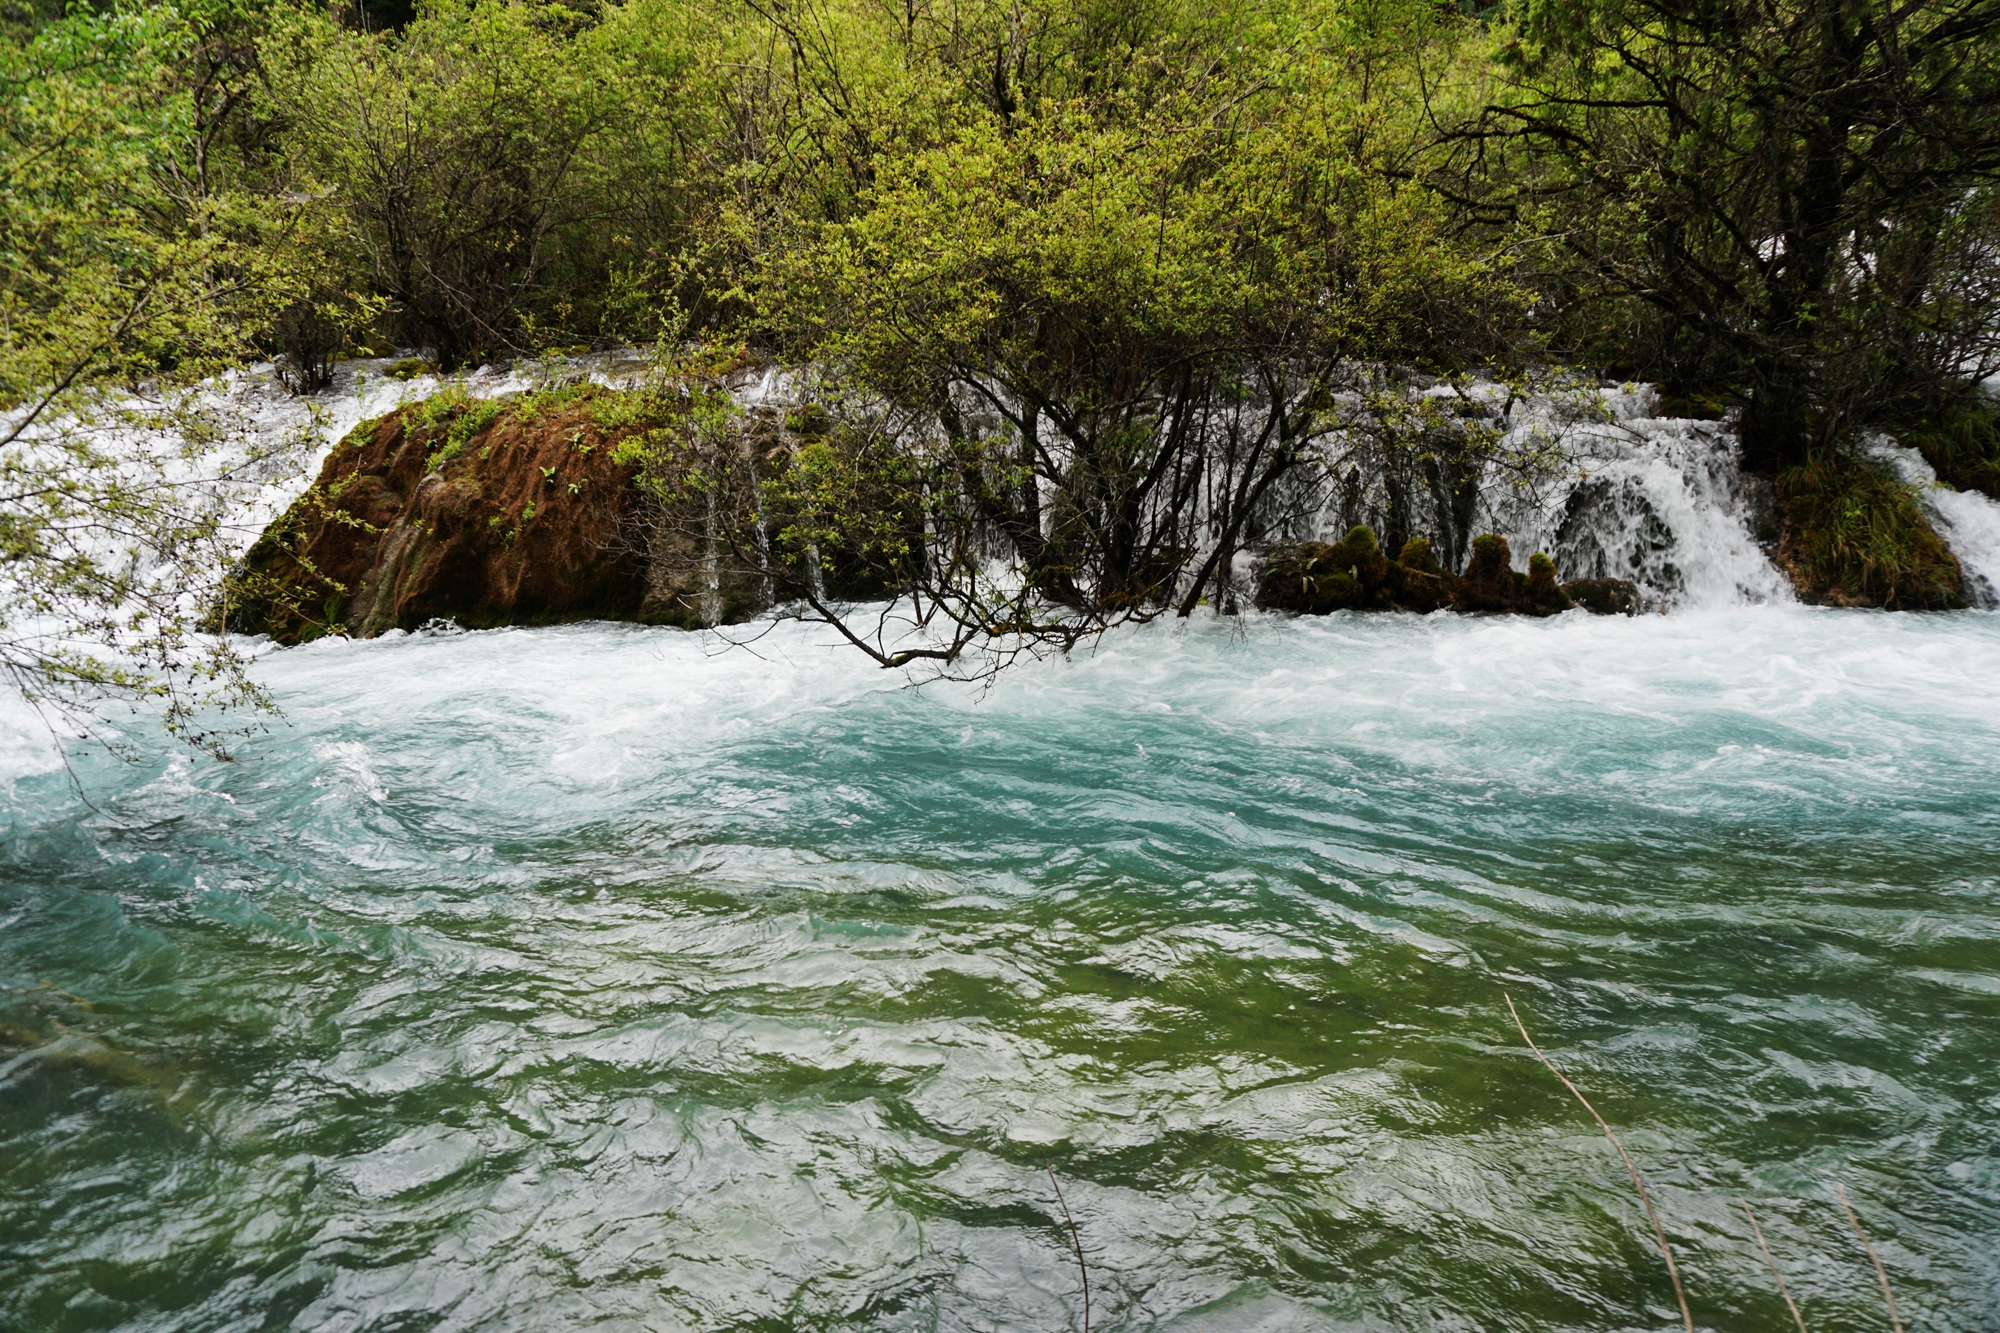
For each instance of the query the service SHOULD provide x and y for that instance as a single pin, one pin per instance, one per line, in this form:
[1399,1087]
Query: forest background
[1125,258]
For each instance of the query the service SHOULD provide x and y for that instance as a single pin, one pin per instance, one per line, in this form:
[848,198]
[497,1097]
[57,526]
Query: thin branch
[1881,1274]
[1772,1264]
[1077,1240]
[1638,1181]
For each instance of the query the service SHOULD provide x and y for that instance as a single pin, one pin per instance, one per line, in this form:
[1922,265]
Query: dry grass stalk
[1638,1181]
[1077,1240]
[1778,1277]
[1881,1274]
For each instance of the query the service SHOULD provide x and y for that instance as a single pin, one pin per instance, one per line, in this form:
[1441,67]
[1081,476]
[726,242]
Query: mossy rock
[1317,577]
[1416,555]
[1540,596]
[1851,534]
[1488,583]
[1313,578]
[1604,597]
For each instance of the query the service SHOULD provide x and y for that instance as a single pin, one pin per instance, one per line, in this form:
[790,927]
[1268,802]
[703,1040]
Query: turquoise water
[591,978]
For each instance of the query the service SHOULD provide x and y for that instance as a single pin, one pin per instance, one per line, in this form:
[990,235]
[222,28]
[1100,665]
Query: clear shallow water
[575,978]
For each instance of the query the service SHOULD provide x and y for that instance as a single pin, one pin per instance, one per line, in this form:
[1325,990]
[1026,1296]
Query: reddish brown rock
[475,511]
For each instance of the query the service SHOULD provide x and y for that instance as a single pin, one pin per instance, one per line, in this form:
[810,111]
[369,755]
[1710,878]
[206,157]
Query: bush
[1853,535]
[507,187]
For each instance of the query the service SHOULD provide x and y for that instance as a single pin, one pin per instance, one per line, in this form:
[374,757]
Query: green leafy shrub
[462,417]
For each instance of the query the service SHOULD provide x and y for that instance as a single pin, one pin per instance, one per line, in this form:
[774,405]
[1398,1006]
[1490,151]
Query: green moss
[1853,535]
[1312,577]
[462,416]
[1538,590]
[1416,554]
[411,367]
[631,409]
[531,407]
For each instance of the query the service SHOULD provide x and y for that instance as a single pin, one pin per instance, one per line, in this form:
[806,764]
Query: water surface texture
[589,979]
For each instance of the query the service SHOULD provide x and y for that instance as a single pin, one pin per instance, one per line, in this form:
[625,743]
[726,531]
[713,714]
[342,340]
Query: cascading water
[1608,491]
[591,978]
[1661,501]
[1968,521]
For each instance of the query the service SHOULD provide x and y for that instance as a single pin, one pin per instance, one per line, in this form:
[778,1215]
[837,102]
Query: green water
[583,979]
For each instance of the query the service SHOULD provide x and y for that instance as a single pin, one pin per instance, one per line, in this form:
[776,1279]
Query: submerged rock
[1604,597]
[1315,578]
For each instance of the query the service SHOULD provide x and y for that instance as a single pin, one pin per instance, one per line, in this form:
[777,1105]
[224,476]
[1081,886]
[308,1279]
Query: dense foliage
[143,249]
[1091,279]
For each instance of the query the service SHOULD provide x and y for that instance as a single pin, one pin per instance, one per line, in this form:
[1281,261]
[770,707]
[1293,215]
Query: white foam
[1968,521]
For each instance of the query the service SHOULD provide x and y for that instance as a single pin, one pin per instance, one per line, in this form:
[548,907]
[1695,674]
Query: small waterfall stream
[1968,521]
[1661,501]
[1600,484]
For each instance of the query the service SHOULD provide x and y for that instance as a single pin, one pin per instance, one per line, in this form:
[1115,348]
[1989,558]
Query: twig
[1638,1181]
[1758,1232]
[1881,1274]
[1077,1241]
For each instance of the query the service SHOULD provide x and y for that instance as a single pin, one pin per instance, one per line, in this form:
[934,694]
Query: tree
[1113,326]
[1790,201]
[132,269]
[508,177]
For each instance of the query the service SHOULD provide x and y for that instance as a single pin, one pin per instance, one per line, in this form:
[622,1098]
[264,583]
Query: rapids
[589,977]
[601,977]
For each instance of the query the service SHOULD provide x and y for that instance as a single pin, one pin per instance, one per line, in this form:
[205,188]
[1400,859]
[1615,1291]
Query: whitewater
[616,978]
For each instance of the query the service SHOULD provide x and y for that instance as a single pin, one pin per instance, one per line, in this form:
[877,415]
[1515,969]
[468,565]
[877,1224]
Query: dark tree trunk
[1777,421]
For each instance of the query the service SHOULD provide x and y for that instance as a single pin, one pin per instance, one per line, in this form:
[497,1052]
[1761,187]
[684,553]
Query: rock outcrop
[1352,574]
[478,511]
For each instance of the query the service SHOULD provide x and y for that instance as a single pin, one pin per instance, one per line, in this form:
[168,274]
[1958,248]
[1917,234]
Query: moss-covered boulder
[1488,583]
[1851,534]
[1312,578]
[1541,596]
[1604,597]
[1422,583]
[1352,574]
[486,513]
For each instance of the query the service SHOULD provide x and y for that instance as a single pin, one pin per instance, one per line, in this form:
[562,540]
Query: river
[592,978]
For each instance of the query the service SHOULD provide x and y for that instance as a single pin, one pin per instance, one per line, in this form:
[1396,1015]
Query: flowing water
[599,978]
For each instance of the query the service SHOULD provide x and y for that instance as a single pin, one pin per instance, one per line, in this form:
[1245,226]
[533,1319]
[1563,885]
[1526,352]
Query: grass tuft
[1853,535]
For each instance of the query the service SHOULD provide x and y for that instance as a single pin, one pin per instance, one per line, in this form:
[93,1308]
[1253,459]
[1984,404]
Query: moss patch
[1853,535]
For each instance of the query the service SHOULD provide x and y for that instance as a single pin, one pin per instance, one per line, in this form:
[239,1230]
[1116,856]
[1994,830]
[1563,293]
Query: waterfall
[1594,480]
[1968,521]
[1661,501]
